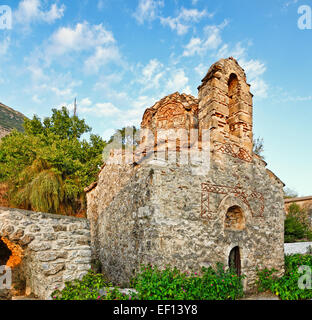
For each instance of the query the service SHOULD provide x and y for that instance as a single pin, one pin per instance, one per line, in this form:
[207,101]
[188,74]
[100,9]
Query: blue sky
[118,57]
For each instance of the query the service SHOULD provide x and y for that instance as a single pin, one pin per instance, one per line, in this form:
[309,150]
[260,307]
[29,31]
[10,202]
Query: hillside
[9,119]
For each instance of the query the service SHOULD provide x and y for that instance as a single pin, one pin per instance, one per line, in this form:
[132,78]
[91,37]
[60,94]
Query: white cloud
[254,70]
[225,51]
[211,41]
[259,88]
[151,75]
[150,69]
[29,11]
[106,80]
[200,69]
[147,10]
[106,109]
[193,47]
[82,37]
[133,115]
[62,92]
[70,43]
[101,57]
[178,81]
[85,102]
[4,46]
[36,72]
[108,133]
[53,87]
[181,23]
[101,4]
[36,99]
[291,2]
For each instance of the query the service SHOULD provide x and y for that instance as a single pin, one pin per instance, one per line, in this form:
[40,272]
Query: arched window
[235,260]
[233,100]
[235,219]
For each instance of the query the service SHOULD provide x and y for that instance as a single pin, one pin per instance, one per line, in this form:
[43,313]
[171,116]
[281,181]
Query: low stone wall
[298,247]
[55,248]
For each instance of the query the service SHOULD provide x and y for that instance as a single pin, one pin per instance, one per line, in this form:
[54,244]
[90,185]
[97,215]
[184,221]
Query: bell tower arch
[225,105]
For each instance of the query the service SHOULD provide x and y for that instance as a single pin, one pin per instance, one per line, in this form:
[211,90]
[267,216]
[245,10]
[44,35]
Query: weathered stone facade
[191,214]
[46,250]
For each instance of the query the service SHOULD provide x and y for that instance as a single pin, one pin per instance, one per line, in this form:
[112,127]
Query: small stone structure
[46,250]
[298,247]
[191,213]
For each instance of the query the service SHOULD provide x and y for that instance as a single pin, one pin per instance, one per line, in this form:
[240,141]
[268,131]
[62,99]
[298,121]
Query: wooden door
[235,260]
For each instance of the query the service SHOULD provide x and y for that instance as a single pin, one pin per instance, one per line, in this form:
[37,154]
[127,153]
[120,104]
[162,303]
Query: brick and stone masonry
[191,214]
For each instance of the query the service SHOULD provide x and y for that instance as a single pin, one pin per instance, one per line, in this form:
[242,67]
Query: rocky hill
[9,120]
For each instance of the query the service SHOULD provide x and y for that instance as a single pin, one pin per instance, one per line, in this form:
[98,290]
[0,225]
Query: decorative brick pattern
[237,191]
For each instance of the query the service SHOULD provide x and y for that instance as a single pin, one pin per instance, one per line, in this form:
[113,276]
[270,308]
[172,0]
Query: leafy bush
[155,284]
[48,165]
[297,226]
[286,287]
[91,287]
[171,284]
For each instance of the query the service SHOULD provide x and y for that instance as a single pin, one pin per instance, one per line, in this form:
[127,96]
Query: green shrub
[297,225]
[172,284]
[286,287]
[155,284]
[90,287]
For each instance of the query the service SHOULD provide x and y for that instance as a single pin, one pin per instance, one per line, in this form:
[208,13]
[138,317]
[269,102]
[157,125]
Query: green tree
[127,137]
[48,165]
[297,225]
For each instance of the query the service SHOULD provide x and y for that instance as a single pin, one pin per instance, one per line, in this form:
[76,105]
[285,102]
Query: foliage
[126,137]
[155,284]
[258,147]
[171,284]
[49,165]
[91,287]
[286,287]
[297,225]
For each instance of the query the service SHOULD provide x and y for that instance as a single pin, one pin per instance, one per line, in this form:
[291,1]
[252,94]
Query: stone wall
[55,249]
[158,215]
[298,247]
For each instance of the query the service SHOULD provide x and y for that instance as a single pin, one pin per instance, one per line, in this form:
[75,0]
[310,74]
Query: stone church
[224,206]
